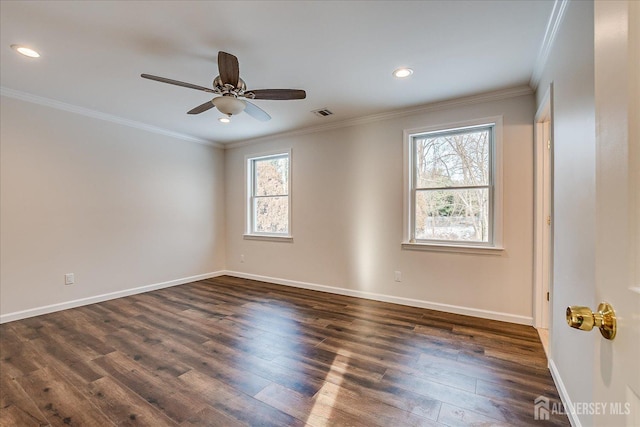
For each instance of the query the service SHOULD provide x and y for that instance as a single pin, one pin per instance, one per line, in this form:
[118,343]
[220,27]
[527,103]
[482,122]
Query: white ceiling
[341,53]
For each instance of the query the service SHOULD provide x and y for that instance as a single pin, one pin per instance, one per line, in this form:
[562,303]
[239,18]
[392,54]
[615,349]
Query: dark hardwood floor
[235,352]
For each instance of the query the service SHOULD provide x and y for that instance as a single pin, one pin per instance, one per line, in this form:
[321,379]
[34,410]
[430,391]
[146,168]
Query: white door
[547,221]
[617,96]
[543,212]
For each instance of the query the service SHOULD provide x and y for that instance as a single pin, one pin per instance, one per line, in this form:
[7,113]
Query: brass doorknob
[604,319]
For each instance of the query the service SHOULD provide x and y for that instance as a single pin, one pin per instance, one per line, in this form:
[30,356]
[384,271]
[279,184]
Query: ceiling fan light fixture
[231,87]
[402,73]
[229,105]
[224,120]
[23,50]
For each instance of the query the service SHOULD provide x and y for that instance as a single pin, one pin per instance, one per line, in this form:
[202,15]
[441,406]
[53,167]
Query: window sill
[268,238]
[477,250]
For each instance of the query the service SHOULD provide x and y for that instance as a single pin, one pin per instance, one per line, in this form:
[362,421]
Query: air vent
[323,112]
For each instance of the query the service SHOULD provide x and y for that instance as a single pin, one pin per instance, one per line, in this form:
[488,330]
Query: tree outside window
[269,194]
[452,185]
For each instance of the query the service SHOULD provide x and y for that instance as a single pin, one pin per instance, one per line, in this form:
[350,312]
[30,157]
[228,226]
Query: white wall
[347,217]
[570,69]
[119,207]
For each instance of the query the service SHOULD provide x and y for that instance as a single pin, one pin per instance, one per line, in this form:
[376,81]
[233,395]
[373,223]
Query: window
[453,184]
[268,189]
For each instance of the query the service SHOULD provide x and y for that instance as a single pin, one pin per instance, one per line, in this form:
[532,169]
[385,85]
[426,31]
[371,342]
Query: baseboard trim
[564,395]
[468,311]
[17,315]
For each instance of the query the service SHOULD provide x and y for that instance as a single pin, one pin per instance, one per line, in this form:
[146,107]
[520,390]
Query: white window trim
[248,185]
[497,245]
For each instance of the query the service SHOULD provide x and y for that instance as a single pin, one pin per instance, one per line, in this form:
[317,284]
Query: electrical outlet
[241,258]
[69,279]
[397,276]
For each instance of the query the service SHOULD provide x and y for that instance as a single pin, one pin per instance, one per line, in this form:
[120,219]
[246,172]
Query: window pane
[452,160]
[271,215]
[455,215]
[271,176]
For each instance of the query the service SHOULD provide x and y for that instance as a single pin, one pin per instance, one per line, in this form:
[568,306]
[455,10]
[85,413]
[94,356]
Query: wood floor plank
[17,408]
[279,333]
[175,328]
[17,356]
[514,394]
[286,376]
[372,412]
[56,355]
[254,345]
[124,407]
[504,377]
[314,412]
[211,417]
[340,371]
[446,394]
[134,346]
[235,404]
[458,417]
[87,345]
[26,328]
[376,355]
[233,352]
[175,401]
[401,341]
[85,319]
[59,401]
[392,395]
[463,339]
[220,364]
[450,378]
[335,371]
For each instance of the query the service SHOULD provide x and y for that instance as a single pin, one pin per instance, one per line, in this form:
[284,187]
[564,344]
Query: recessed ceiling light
[224,120]
[401,73]
[25,51]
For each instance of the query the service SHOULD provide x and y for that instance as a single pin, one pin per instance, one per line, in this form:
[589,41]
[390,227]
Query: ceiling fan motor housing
[238,90]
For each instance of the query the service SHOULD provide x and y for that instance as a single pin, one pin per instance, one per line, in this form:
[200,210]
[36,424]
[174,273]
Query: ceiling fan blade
[176,82]
[256,112]
[228,68]
[278,94]
[201,108]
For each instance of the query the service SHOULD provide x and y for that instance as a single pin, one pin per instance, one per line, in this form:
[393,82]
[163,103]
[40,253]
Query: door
[543,256]
[546,256]
[617,94]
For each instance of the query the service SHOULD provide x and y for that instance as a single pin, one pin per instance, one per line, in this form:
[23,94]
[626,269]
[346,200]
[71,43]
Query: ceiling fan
[231,89]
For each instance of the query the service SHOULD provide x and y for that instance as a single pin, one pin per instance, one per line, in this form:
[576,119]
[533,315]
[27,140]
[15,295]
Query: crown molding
[58,105]
[435,106]
[553,26]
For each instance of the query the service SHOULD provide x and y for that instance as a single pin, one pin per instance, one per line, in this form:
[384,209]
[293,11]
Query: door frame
[541,253]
